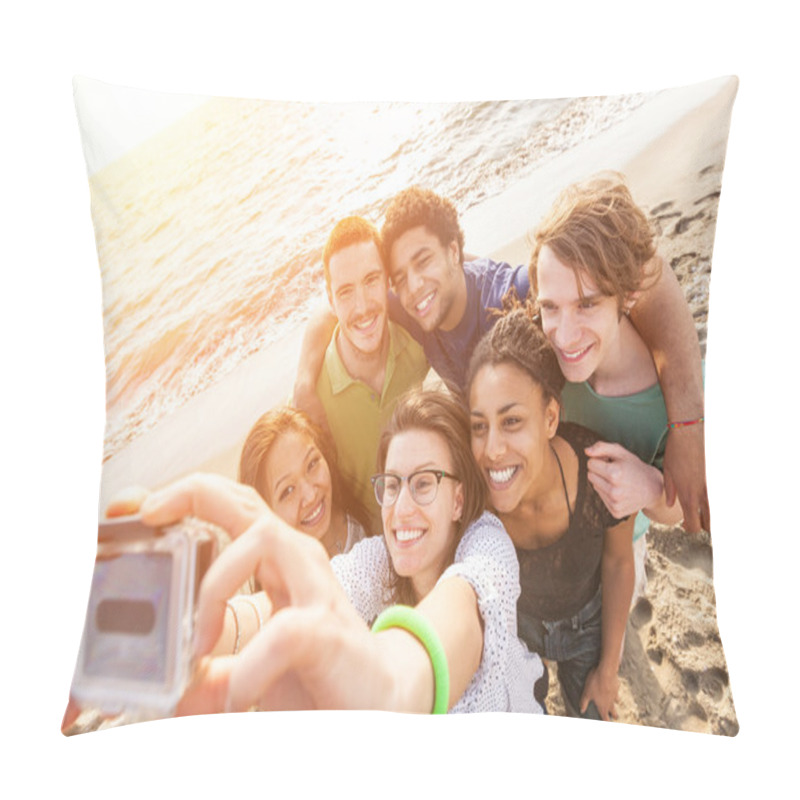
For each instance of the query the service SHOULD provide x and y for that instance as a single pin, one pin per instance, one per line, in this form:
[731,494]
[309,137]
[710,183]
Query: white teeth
[502,475]
[573,355]
[364,325]
[422,306]
[408,534]
[314,516]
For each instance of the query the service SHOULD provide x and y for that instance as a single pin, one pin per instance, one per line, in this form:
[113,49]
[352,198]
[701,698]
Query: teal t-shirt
[637,421]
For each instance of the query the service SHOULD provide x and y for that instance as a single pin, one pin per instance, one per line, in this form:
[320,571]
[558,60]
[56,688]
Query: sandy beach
[674,673]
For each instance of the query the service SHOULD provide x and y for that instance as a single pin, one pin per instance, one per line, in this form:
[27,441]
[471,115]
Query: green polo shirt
[357,415]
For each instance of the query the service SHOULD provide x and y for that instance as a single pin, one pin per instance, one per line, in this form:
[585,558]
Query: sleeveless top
[558,580]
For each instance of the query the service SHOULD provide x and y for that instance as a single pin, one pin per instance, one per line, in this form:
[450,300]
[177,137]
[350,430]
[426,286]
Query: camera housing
[136,651]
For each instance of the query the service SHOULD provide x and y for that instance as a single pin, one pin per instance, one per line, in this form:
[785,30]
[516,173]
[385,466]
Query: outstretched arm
[312,357]
[317,652]
[664,320]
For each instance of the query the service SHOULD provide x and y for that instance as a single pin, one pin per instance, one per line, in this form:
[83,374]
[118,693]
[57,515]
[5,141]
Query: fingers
[605,450]
[208,691]
[291,567]
[289,644]
[231,505]
[127,502]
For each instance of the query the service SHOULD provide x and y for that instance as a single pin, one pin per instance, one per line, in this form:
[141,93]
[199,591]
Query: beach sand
[673,671]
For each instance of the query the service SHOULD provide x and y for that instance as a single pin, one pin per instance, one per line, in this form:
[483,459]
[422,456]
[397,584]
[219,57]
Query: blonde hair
[596,227]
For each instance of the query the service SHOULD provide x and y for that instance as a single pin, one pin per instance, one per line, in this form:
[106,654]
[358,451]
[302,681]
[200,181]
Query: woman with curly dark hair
[576,560]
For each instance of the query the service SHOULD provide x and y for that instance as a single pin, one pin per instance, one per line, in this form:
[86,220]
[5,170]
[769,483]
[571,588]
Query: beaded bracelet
[252,603]
[685,423]
[412,621]
[236,623]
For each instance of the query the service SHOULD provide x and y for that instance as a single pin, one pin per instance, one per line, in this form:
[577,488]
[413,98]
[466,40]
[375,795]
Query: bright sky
[117,118]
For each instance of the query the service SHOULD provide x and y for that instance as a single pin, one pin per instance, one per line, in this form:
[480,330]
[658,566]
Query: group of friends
[460,490]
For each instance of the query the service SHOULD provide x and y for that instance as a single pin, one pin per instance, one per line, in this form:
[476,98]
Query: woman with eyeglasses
[437,533]
[423,619]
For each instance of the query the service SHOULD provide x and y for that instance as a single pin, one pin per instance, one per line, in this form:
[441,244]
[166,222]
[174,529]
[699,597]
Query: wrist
[409,681]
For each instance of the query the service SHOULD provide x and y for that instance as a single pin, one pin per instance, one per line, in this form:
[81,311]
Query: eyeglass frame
[437,473]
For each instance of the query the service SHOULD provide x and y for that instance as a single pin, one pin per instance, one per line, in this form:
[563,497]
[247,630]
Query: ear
[630,302]
[458,504]
[452,251]
[552,416]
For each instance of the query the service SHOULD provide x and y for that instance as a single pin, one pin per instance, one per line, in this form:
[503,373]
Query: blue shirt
[448,352]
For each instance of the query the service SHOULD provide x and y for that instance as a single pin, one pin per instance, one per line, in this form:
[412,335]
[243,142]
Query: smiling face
[512,426]
[582,324]
[358,295]
[420,539]
[428,279]
[297,483]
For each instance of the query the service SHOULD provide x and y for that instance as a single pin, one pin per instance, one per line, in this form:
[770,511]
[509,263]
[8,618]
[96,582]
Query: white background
[53,381]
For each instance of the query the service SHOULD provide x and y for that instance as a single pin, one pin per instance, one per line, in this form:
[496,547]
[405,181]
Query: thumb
[607,450]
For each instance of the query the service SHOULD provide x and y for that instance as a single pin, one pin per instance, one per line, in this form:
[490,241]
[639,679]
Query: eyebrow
[502,410]
[425,465]
[288,475]
[582,298]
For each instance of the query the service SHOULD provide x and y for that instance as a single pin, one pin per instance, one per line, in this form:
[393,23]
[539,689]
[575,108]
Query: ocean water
[209,234]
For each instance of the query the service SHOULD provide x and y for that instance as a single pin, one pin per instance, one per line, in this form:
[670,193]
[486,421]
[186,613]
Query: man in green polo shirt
[369,362]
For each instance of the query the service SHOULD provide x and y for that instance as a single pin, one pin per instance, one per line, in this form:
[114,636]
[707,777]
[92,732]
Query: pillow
[210,215]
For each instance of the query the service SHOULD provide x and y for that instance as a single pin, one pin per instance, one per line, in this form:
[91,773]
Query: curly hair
[440,413]
[517,338]
[346,232]
[263,435]
[596,227]
[414,207]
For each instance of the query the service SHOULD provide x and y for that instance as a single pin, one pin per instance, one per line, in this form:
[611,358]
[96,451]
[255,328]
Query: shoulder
[589,505]
[496,278]
[577,436]
[403,344]
[365,556]
[485,536]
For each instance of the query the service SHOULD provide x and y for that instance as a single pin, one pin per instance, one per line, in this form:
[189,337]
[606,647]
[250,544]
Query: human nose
[565,330]
[361,299]
[495,443]
[404,504]
[415,281]
[307,491]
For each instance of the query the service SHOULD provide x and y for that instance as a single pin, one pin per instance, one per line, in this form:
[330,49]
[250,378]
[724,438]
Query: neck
[367,367]
[546,487]
[335,539]
[628,366]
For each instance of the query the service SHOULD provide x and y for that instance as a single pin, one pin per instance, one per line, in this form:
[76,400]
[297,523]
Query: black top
[560,579]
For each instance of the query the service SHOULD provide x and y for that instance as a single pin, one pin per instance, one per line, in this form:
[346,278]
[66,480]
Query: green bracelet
[411,620]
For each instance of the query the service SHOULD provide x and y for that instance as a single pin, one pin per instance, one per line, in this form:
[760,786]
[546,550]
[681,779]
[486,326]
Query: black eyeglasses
[423,485]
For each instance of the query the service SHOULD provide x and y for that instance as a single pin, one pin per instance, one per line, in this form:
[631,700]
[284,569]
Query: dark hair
[517,338]
[263,436]
[440,413]
[596,227]
[346,232]
[414,207]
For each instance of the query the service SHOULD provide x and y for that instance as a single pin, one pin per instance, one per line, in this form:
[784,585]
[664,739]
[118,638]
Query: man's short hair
[346,232]
[414,207]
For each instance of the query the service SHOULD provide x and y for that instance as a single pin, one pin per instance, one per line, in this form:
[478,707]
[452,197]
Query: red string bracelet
[684,423]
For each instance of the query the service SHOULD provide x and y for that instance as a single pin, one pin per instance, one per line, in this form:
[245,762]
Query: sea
[210,232]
